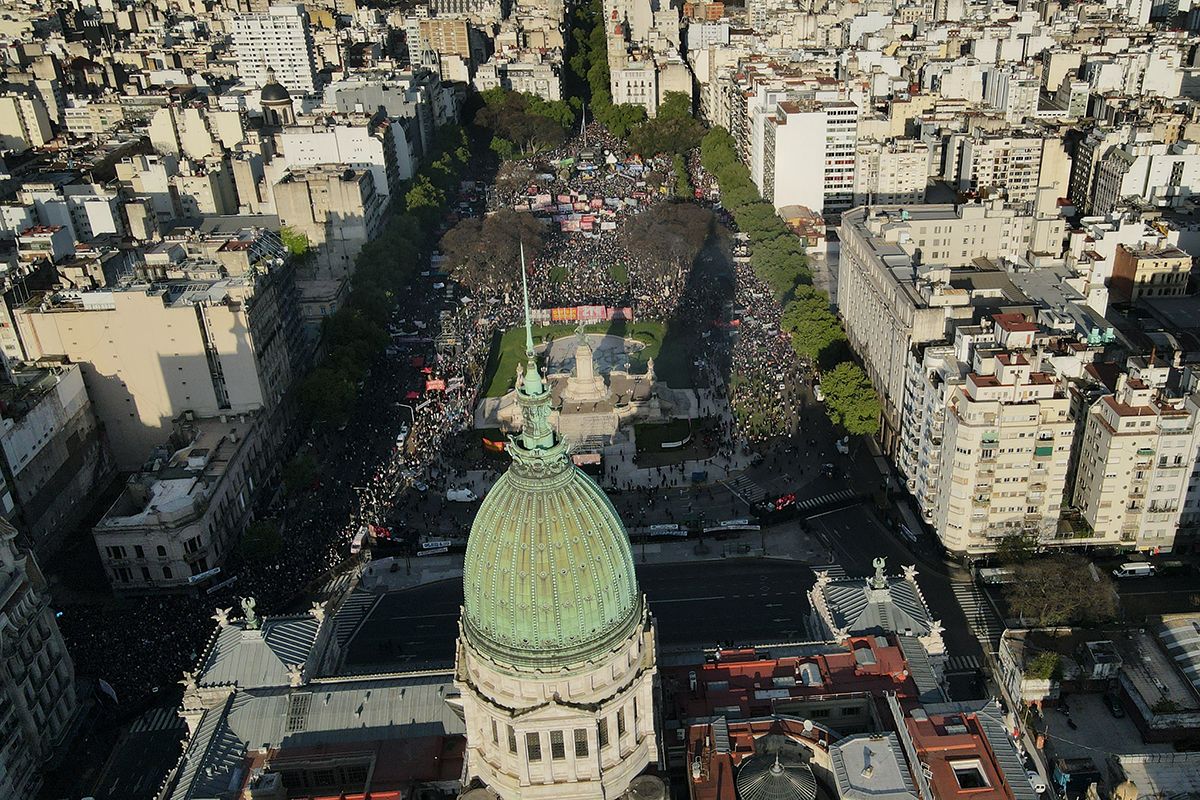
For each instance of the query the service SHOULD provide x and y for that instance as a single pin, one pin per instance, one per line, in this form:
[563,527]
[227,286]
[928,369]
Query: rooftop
[174,485]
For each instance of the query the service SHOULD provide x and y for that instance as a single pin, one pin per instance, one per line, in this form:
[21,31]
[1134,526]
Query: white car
[461,495]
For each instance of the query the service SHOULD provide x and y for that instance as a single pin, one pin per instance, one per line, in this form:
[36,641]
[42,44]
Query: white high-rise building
[1139,449]
[809,155]
[1006,448]
[279,40]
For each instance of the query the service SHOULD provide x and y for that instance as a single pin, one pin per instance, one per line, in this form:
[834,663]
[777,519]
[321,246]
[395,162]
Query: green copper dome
[548,579]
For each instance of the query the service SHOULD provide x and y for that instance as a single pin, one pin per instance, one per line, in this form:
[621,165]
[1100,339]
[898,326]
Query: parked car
[1113,703]
[1134,569]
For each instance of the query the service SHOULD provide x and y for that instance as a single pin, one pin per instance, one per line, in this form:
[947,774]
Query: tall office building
[37,678]
[278,40]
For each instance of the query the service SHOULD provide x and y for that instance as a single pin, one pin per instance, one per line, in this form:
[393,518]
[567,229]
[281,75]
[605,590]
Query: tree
[327,394]
[1061,590]
[299,473]
[295,241]
[1016,548]
[683,186]
[850,400]
[673,129]
[670,235]
[1044,666]
[717,150]
[619,119]
[485,253]
[261,540]
[526,121]
[425,200]
[813,326]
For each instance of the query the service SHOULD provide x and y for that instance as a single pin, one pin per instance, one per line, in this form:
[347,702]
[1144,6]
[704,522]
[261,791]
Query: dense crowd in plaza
[390,462]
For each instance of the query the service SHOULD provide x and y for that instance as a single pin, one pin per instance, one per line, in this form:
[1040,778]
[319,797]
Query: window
[167,573]
[558,750]
[620,723]
[581,743]
[602,733]
[138,552]
[162,551]
[512,740]
[145,573]
[970,774]
[495,733]
[533,746]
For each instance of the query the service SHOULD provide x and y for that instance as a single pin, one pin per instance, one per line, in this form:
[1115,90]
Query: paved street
[142,756]
[740,601]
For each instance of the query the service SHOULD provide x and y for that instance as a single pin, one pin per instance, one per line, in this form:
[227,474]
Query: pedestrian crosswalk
[836,571]
[746,489]
[984,623]
[350,617]
[336,585]
[813,503]
[157,719]
[957,664]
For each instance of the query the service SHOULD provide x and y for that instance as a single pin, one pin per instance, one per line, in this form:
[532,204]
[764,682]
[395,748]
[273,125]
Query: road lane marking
[690,599]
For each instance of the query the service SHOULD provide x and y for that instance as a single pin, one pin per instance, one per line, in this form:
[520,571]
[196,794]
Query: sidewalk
[785,542]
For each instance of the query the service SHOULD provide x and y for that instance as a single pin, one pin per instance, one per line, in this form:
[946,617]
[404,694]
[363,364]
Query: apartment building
[280,40]
[903,274]
[1144,270]
[357,141]
[52,456]
[37,679]
[538,78]
[447,36]
[1001,164]
[337,208]
[893,173]
[1138,451]
[24,121]
[1006,447]
[150,351]
[92,118]
[934,372]
[181,515]
[636,83]
[809,155]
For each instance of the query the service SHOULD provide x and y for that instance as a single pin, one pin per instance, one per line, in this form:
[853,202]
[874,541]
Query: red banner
[495,447]
[435,385]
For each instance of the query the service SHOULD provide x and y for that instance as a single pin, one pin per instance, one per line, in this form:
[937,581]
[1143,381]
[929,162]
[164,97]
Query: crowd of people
[389,463]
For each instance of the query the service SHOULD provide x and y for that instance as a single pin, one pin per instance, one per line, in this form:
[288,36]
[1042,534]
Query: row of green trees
[521,123]
[779,260]
[356,333]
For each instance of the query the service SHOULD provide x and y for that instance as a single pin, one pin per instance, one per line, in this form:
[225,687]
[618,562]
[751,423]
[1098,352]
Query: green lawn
[649,438]
[651,435]
[508,350]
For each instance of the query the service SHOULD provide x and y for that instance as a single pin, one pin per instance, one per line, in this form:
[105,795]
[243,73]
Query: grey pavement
[696,605]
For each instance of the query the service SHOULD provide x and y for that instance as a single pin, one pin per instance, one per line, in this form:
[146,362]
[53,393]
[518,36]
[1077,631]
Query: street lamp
[412,415]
